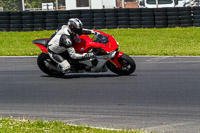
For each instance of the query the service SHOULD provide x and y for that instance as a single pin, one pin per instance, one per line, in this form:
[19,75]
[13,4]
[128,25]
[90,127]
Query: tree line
[15,5]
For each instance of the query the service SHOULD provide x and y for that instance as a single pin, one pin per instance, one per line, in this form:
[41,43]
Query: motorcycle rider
[62,41]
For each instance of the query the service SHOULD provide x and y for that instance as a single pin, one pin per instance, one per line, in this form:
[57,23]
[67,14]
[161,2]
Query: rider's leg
[63,64]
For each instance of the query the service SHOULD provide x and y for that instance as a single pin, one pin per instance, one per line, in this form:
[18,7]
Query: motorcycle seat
[43,42]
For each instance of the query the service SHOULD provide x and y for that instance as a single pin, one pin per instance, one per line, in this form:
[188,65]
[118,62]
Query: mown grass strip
[9,125]
[166,41]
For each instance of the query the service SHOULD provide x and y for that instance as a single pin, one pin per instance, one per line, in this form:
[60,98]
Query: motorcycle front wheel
[41,64]
[128,65]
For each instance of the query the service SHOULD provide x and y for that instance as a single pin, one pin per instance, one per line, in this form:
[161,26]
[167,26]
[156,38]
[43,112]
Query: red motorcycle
[104,46]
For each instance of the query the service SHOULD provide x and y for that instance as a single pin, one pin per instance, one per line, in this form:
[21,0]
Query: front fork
[115,60]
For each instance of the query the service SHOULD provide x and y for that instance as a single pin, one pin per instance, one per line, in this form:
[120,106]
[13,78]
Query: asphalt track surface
[162,95]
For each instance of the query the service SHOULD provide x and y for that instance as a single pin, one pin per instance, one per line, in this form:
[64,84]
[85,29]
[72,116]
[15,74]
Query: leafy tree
[14,5]
[37,3]
[10,5]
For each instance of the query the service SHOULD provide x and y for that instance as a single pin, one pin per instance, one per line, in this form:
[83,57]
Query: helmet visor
[78,31]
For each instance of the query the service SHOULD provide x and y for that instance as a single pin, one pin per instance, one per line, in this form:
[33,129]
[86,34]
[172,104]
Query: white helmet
[75,26]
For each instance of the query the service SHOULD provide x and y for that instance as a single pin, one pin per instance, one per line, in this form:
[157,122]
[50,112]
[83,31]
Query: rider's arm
[88,32]
[65,41]
[73,54]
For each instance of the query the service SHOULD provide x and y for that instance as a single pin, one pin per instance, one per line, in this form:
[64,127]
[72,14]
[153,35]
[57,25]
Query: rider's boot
[64,66]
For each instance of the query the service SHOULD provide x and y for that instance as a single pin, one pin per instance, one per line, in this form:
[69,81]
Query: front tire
[128,65]
[41,64]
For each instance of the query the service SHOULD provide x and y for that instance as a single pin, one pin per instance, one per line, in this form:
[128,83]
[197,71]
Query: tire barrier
[4,21]
[135,18]
[185,17]
[160,18]
[173,17]
[99,19]
[148,18]
[39,21]
[123,18]
[51,20]
[87,19]
[16,21]
[111,19]
[196,16]
[27,21]
[102,18]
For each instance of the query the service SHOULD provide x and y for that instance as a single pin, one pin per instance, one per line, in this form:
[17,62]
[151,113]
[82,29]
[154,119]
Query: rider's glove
[93,32]
[96,33]
[89,56]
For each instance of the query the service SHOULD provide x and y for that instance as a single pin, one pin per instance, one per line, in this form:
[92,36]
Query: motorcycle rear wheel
[40,61]
[128,65]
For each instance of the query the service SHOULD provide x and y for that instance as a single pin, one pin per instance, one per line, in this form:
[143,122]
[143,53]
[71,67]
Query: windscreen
[100,39]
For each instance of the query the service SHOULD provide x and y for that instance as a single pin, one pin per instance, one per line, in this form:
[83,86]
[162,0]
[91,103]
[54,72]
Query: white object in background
[47,6]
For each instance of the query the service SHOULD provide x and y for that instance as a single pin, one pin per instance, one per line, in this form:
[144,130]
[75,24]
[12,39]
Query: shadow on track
[71,76]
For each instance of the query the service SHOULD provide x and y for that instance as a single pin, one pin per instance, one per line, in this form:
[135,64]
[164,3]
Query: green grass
[166,41]
[9,125]
[20,43]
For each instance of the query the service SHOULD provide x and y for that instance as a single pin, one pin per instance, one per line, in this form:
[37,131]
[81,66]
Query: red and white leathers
[60,42]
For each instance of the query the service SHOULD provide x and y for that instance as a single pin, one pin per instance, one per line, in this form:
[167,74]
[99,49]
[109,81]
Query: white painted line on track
[182,62]
[156,59]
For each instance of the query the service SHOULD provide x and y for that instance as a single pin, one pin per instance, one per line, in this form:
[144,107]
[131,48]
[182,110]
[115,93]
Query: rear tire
[128,65]
[40,61]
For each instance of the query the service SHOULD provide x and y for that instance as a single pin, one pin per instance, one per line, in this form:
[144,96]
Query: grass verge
[166,41]
[9,125]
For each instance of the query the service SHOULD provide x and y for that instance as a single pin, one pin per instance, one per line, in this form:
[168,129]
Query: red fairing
[119,54]
[116,61]
[43,48]
[84,43]
[41,43]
